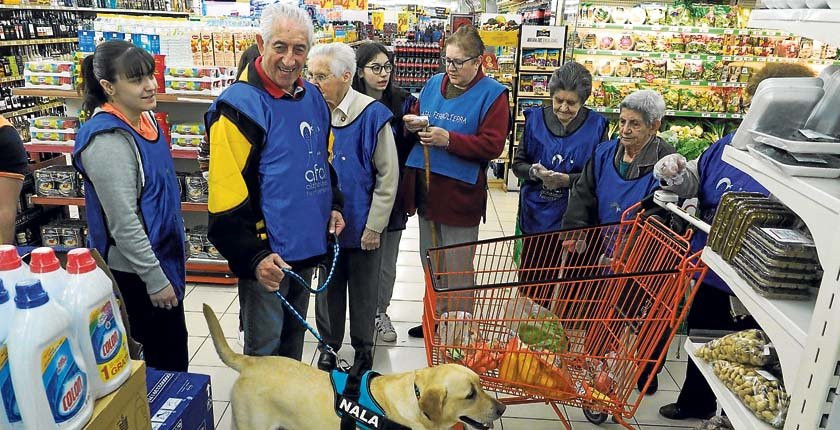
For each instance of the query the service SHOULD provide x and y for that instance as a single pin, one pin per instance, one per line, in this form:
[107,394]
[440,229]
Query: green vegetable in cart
[548,335]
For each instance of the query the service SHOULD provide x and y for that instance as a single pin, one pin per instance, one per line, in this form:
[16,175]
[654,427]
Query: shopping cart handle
[668,200]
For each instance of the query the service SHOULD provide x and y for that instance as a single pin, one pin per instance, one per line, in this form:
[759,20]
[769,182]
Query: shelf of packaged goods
[786,322]
[209,271]
[704,57]
[533,95]
[662,81]
[39,41]
[32,109]
[736,411]
[816,200]
[679,113]
[95,10]
[537,70]
[6,79]
[817,24]
[73,94]
[80,201]
[36,147]
[685,29]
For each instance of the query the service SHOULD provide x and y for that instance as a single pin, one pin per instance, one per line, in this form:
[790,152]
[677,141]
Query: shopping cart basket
[584,315]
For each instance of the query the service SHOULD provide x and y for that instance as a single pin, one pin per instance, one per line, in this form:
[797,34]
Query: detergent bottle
[45,267]
[12,269]
[9,413]
[45,358]
[97,324]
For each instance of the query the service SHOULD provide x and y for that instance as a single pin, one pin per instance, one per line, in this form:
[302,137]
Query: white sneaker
[241,339]
[385,328]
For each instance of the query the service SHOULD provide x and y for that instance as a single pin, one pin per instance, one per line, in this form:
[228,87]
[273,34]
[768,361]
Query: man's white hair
[342,57]
[288,12]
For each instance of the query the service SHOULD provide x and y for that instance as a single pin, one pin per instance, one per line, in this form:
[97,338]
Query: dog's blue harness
[356,406]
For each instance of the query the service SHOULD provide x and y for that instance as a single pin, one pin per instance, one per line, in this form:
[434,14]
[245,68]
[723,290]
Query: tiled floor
[406,353]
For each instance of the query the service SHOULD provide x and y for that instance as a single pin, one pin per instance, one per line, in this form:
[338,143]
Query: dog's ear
[431,402]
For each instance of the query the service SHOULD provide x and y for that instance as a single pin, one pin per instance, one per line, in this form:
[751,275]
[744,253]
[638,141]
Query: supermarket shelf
[669,82]
[816,200]
[786,322]
[208,271]
[189,154]
[535,69]
[684,29]
[80,201]
[738,414]
[72,94]
[533,95]
[679,113]
[207,265]
[704,57]
[6,79]
[33,109]
[96,9]
[818,24]
[39,41]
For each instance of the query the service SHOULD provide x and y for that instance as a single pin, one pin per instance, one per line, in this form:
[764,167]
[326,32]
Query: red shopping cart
[583,316]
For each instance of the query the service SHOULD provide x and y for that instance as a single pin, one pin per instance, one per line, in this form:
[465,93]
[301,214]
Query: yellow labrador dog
[280,393]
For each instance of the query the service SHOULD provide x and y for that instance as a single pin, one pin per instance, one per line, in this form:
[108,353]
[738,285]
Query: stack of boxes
[220,48]
[49,74]
[54,130]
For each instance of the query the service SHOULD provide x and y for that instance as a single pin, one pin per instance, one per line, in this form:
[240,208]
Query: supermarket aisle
[407,353]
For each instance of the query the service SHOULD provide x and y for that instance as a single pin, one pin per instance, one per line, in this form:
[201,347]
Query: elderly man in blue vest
[365,158]
[273,194]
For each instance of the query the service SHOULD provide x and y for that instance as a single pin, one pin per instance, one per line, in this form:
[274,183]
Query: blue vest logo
[726,182]
[316,176]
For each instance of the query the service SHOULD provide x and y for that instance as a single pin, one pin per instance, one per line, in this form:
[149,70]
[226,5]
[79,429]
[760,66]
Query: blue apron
[616,194]
[542,210]
[353,148]
[295,188]
[160,198]
[716,178]
[462,114]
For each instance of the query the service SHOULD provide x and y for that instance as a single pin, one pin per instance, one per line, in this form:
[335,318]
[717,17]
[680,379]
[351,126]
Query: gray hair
[342,57]
[573,77]
[288,12]
[649,103]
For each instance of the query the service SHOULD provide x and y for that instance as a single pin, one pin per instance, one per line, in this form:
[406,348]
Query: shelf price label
[680,56]
[729,31]
[761,59]
[644,54]
[706,115]
[727,58]
[670,112]
[703,30]
[695,57]
[739,58]
[695,83]
[722,115]
[673,28]
[656,27]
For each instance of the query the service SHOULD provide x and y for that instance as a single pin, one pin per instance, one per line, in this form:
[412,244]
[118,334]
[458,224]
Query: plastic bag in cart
[535,325]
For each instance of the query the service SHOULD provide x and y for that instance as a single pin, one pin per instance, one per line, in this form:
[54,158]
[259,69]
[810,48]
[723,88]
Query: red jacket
[451,201]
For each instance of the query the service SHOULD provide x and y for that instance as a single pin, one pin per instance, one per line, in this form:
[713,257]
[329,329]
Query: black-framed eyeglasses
[378,68]
[457,64]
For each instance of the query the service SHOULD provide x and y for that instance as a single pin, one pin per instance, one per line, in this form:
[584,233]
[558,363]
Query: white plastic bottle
[45,267]
[9,413]
[97,324]
[12,269]
[46,359]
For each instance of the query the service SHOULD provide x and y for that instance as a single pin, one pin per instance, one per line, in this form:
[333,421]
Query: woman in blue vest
[708,178]
[620,174]
[132,198]
[373,78]
[556,144]
[365,159]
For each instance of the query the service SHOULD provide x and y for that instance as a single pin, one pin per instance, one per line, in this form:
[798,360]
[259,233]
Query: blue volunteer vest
[542,210]
[462,114]
[353,148]
[616,194]
[366,402]
[160,198]
[295,190]
[716,178]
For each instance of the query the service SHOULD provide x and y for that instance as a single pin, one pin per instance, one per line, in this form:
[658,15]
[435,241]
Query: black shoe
[673,411]
[326,361]
[652,388]
[362,362]
[416,331]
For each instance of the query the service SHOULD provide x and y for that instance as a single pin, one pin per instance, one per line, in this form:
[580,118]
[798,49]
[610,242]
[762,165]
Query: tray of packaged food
[745,213]
[776,260]
[784,241]
[772,288]
[800,141]
[793,164]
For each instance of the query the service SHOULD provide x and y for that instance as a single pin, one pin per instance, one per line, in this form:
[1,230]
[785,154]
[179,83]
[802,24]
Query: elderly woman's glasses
[378,68]
[457,64]
[318,77]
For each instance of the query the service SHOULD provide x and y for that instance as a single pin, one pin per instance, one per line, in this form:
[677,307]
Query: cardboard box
[195,47]
[207,49]
[180,400]
[126,408]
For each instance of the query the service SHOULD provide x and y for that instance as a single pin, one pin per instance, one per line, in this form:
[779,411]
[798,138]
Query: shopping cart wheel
[594,417]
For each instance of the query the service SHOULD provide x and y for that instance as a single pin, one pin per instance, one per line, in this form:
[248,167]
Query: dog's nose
[500,409]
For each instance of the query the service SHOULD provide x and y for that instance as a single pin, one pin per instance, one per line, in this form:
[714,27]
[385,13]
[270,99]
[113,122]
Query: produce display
[761,392]
[692,138]
[749,347]
[687,14]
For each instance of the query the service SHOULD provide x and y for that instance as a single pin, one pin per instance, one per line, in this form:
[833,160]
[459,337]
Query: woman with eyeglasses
[373,78]
[464,124]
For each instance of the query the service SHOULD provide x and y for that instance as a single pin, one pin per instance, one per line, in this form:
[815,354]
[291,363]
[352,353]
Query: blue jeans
[270,329]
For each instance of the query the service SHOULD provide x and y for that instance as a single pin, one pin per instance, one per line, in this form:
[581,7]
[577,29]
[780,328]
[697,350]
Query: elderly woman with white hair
[620,174]
[364,156]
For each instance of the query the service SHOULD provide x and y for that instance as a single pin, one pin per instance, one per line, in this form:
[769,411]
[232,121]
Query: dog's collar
[417,394]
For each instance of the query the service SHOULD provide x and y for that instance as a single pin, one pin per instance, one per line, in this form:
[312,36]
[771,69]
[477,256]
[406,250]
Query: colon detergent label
[7,392]
[108,341]
[65,382]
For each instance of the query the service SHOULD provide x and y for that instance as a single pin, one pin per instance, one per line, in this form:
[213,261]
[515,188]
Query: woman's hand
[165,298]
[370,240]
[554,180]
[415,123]
[434,136]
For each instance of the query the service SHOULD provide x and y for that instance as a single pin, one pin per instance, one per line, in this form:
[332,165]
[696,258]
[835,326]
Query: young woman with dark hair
[132,198]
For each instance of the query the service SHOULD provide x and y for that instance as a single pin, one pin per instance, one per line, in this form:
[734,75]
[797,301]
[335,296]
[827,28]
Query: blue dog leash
[317,290]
